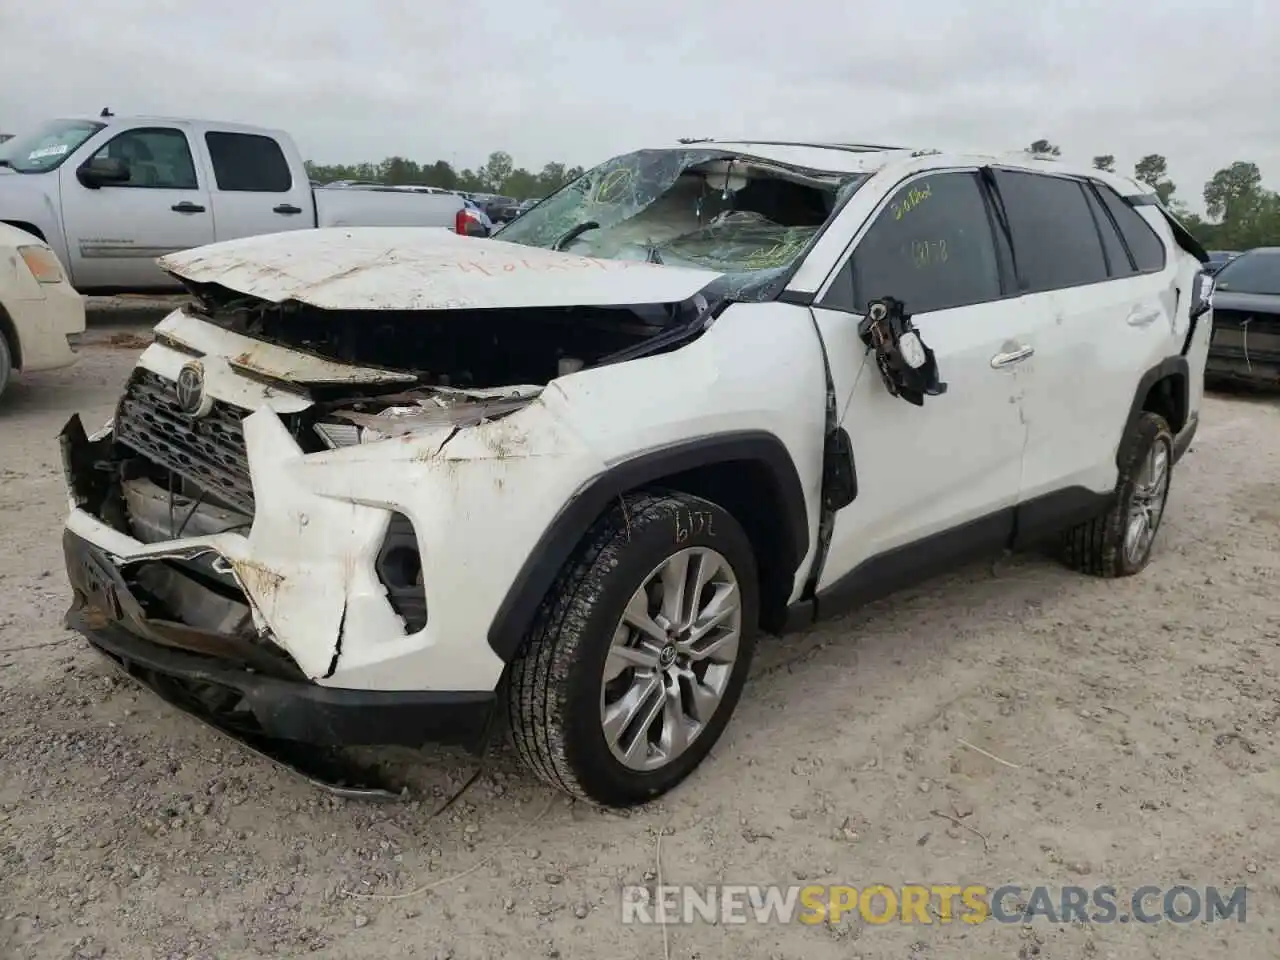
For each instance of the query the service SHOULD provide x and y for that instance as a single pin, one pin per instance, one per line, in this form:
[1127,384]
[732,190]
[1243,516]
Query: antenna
[106,112]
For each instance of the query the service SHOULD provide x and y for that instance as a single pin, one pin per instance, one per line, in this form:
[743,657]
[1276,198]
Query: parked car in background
[480,216]
[503,209]
[1219,259]
[41,315]
[111,194]
[526,206]
[1246,318]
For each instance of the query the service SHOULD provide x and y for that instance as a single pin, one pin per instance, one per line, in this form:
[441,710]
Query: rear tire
[587,666]
[1118,543]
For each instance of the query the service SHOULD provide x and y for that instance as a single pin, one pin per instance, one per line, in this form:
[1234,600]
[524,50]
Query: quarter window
[1118,261]
[931,247]
[1055,241]
[158,158]
[249,163]
[1147,250]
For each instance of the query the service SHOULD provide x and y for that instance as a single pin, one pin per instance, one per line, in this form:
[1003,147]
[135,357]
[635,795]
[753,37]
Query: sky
[581,80]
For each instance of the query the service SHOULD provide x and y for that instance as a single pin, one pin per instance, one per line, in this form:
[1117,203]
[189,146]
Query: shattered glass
[656,205]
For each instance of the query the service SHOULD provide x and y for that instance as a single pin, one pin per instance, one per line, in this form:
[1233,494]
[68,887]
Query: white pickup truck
[111,194]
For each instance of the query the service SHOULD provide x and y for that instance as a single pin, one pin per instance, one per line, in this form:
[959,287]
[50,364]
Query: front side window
[249,163]
[931,247]
[158,158]
[751,219]
[1056,243]
[48,146]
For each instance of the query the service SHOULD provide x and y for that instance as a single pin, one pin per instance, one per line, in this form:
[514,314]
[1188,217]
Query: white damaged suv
[382,486]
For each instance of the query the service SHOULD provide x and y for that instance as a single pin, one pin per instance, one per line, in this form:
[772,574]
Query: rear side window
[931,247]
[1147,250]
[249,163]
[1055,241]
[1118,260]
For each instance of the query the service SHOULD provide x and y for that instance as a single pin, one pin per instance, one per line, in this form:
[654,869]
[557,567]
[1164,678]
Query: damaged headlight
[443,408]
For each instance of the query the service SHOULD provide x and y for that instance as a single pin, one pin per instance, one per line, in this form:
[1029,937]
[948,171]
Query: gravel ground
[1134,722]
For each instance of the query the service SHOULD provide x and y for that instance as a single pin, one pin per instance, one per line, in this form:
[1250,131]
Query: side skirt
[1012,528]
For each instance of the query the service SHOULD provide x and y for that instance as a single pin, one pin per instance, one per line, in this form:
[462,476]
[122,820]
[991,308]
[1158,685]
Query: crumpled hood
[424,268]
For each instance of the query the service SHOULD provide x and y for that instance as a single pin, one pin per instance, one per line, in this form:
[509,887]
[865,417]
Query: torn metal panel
[181,329]
[378,268]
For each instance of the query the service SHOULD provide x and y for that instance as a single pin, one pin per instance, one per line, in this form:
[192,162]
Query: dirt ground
[1134,722]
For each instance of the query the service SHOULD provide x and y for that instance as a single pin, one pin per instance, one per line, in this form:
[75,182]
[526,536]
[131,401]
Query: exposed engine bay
[458,348]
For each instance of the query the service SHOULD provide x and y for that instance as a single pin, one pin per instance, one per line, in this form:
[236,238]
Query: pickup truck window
[249,163]
[158,158]
[48,146]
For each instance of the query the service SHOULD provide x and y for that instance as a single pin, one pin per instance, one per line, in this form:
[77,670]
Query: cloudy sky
[579,80]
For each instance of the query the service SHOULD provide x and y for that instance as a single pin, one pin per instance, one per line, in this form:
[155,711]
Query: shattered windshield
[46,147]
[749,218]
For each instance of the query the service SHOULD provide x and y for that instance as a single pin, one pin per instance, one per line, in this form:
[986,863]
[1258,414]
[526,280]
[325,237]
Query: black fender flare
[1171,367]
[566,530]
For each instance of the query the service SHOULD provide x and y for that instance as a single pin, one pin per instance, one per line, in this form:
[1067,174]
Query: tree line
[498,174]
[1242,213]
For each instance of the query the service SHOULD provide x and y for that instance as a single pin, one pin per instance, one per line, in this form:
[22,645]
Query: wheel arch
[10,334]
[30,228]
[748,473]
[1164,389]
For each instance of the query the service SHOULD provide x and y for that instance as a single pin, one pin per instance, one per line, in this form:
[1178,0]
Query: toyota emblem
[192,400]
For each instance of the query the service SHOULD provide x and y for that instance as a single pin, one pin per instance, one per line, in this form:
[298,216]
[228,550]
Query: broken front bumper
[108,614]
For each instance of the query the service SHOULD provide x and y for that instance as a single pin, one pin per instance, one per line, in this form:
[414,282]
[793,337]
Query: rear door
[255,190]
[1103,314]
[116,232]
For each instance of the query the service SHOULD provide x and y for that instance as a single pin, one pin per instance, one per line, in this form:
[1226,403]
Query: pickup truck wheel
[639,654]
[6,364]
[1118,543]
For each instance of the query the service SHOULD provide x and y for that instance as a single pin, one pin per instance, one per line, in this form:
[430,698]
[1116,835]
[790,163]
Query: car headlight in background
[42,263]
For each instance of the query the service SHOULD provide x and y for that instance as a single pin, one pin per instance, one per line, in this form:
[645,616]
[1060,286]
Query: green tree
[496,170]
[1105,161]
[1153,169]
[1044,148]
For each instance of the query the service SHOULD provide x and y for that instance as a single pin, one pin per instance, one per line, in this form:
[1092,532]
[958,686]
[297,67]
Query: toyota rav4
[387,486]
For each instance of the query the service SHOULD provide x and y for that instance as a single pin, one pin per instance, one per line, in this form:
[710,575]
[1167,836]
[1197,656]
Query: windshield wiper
[573,234]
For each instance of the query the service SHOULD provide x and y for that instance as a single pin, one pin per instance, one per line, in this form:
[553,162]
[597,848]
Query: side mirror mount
[98,172]
[907,365]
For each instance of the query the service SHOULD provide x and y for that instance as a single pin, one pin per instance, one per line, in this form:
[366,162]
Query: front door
[940,481]
[116,232]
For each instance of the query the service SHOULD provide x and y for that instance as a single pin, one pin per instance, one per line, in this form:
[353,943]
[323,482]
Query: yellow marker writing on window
[915,196]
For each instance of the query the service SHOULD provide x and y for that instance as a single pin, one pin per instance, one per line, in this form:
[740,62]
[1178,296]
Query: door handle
[1143,318]
[186,206]
[286,208]
[1012,357]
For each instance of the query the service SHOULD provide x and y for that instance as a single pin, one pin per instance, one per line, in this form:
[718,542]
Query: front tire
[1119,543]
[638,656]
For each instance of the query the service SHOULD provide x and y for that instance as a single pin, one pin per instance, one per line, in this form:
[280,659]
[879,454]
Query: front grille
[1243,335]
[209,452]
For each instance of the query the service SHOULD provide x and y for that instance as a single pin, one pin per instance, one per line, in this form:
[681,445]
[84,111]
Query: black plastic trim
[1180,233]
[1175,367]
[287,709]
[566,531]
[1009,528]
[1182,442]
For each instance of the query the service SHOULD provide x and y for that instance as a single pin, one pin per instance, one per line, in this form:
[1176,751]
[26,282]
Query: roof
[839,157]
